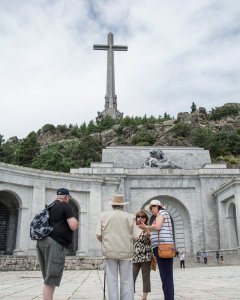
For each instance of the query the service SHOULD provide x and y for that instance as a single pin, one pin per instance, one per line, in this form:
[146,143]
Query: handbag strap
[168,217]
[170,227]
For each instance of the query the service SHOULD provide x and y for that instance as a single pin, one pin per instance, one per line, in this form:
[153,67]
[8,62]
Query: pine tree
[193,107]
[28,150]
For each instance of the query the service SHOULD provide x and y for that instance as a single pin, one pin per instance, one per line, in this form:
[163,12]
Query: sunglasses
[142,217]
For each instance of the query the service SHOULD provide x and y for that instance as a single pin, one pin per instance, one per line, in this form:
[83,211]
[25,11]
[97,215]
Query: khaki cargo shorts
[51,257]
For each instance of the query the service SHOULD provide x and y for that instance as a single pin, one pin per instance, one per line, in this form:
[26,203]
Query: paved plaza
[220,282]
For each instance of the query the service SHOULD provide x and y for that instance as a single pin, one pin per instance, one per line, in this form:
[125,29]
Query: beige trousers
[123,269]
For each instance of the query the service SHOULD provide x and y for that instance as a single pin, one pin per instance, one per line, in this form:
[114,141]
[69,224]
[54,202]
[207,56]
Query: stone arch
[232,226]
[9,213]
[73,248]
[181,221]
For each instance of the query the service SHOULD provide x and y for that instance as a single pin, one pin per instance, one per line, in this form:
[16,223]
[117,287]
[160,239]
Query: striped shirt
[165,233]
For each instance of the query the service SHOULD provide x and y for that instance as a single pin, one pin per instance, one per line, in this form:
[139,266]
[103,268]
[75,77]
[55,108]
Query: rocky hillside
[218,131]
[164,133]
[174,132]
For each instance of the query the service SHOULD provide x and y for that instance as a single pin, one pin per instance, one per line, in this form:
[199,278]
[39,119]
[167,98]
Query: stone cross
[110,98]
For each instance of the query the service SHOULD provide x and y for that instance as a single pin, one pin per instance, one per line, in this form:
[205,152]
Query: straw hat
[118,200]
[153,202]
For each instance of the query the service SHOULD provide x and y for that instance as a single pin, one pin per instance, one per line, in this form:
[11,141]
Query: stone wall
[30,263]
[134,157]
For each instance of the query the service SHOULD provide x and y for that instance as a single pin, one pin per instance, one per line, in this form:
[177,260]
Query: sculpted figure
[158,159]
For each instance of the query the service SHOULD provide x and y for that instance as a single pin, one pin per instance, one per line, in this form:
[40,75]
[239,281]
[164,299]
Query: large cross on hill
[110,97]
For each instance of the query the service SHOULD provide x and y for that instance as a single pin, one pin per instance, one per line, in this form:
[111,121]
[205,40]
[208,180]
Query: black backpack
[40,227]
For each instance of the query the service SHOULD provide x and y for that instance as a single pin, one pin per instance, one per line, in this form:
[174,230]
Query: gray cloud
[179,52]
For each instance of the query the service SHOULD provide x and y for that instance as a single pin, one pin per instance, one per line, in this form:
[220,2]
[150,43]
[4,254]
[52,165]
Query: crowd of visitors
[129,243]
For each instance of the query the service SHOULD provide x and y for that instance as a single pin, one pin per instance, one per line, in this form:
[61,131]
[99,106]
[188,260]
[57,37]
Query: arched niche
[181,222]
[9,209]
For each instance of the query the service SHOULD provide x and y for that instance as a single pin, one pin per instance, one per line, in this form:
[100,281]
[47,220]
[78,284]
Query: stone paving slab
[202,283]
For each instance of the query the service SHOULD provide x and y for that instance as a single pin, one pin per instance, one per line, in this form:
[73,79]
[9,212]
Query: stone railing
[30,263]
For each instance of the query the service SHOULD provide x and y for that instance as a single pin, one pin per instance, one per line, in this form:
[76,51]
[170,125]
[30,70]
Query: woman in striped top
[161,232]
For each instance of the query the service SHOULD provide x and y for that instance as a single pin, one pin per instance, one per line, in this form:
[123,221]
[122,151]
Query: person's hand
[142,225]
[148,232]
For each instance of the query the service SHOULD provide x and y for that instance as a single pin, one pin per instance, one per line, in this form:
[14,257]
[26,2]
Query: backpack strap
[48,207]
[51,204]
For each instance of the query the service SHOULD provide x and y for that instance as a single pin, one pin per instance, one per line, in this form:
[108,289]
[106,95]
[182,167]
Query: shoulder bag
[166,250]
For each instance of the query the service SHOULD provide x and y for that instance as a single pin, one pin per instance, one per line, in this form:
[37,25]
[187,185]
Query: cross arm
[100,47]
[120,48]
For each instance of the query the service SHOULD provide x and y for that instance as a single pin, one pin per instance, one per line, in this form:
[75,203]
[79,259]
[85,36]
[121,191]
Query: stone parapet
[30,263]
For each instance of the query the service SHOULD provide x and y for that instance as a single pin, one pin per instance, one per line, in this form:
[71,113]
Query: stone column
[38,202]
[223,240]
[95,209]
[83,234]
[21,241]
[237,204]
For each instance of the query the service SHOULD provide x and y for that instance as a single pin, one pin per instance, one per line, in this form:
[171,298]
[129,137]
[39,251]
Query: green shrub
[48,128]
[106,123]
[91,128]
[62,128]
[231,160]
[202,137]
[224,111]
[73,154]
[28,149]
[143,137]
[182,129]
[8,153]
[75,131]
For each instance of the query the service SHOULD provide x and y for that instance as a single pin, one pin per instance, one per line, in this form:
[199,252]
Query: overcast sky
[179,51]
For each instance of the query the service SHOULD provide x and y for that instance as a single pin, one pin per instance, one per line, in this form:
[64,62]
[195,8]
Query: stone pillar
[237,203]
[90,213]
[22,232]
[83,234]
[38,202]
[222,224]
[95,209]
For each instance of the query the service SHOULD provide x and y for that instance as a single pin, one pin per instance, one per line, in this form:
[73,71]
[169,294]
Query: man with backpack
[52,249]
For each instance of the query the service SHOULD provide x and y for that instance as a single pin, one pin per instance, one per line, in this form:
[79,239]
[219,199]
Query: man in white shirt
[182,260]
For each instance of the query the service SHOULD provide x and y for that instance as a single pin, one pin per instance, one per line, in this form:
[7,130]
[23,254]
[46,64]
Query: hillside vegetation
[61,147]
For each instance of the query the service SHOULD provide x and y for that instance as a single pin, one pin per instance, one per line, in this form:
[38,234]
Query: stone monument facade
[110,97]
[203,198]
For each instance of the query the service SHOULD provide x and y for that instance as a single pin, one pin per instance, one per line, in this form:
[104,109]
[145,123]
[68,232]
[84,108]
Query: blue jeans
[165,266]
